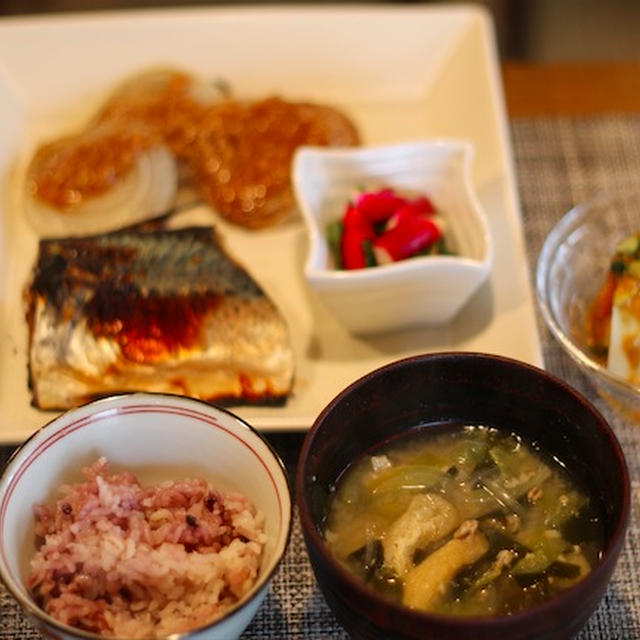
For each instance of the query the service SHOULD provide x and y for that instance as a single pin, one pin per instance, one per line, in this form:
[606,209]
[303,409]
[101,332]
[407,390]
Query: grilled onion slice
[105,178]
[170,102]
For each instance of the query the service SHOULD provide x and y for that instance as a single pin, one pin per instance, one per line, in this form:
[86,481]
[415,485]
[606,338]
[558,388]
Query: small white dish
[426,290]
[158,437]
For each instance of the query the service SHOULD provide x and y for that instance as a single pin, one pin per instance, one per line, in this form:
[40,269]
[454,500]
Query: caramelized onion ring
[128,176]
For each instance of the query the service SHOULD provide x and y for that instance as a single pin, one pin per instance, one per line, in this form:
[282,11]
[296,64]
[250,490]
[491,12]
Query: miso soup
[466,521]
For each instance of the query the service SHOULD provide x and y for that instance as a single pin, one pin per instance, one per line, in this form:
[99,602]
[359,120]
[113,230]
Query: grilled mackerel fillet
[160,310]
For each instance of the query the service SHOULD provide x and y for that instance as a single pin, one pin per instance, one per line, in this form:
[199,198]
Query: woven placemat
[560,162]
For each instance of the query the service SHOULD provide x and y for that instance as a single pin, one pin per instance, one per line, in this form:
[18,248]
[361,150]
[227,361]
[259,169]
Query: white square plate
[401,72]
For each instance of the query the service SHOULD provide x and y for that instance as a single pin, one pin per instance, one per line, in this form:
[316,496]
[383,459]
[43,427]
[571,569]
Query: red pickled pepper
[409,235]
[356,231]
[421,206]
[408,229]
[378,206]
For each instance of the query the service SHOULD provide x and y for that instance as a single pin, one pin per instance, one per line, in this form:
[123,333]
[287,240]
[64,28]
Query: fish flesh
[162,310]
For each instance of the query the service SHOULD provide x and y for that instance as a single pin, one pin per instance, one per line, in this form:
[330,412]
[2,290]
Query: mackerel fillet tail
[162,310]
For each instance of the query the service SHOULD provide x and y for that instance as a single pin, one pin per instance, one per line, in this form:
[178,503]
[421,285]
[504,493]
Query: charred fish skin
[163,262]
[161,310]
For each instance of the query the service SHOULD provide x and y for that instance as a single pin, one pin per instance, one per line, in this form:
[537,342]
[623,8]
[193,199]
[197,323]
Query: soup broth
[466,521]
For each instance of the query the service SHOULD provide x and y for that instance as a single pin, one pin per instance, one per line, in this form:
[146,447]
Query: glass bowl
[572,266]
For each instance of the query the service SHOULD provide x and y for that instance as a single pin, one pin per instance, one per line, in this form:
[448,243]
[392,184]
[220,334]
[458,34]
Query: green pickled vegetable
[369,255]
[334,236]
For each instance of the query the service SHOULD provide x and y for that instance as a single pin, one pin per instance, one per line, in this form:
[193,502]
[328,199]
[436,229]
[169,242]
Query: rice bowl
[210,487]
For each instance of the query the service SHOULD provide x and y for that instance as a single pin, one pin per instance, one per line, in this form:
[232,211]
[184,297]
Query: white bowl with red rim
[425,290]
[158,437]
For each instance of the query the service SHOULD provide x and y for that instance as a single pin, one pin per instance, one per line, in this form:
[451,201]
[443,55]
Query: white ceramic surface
[405,72]
[158,437]
[428,290]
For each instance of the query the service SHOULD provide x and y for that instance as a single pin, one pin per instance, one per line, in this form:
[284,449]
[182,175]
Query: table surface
[571,89]
[575,129]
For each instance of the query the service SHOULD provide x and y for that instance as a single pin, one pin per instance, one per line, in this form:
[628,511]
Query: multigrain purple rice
[121,559]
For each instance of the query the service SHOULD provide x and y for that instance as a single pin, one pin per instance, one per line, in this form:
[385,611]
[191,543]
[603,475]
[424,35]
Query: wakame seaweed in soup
[469,521]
